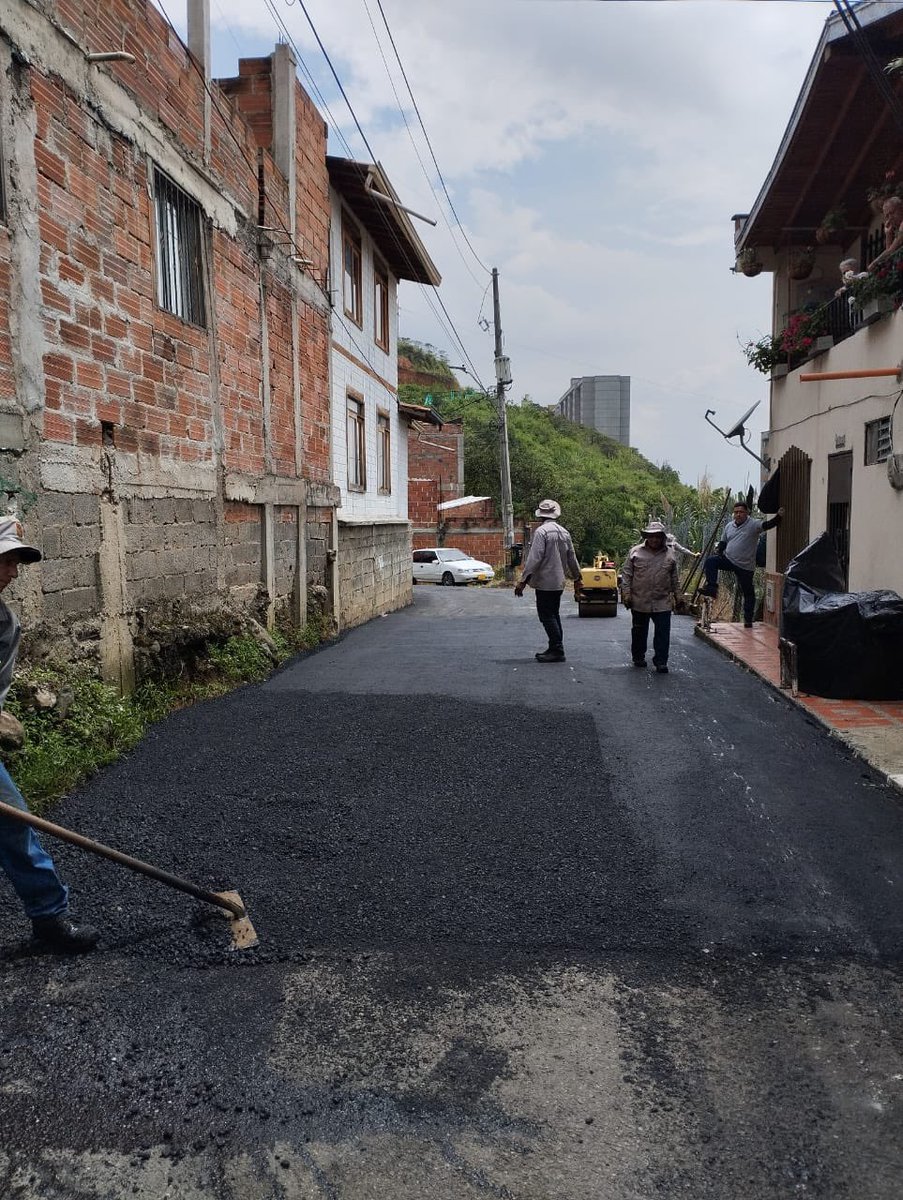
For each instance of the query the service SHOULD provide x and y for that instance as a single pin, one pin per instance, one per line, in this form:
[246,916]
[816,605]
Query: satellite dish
[737,429]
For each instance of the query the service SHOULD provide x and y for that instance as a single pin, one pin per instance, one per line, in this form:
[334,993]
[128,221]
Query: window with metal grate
[877,441]
[180,252]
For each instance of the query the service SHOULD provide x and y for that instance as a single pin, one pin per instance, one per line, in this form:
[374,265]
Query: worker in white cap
[26,863]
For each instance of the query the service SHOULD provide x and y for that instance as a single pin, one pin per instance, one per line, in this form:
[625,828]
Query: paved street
[530,932]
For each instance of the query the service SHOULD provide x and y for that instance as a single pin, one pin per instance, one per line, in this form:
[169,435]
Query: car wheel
[448,580]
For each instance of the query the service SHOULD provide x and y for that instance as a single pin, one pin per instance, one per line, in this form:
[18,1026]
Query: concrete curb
[893,780]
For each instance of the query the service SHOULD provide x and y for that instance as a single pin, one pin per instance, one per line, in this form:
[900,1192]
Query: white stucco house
[837,438]
[373,245]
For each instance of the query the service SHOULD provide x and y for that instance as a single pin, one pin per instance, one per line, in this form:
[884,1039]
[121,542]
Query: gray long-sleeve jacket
[10,635]
[649,579]
[551,559]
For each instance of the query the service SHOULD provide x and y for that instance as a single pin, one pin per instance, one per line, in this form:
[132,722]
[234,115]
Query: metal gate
[793,531]
[840,494]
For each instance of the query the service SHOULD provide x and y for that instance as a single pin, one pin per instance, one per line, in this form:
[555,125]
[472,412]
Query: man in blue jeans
[736,552]
[25,862]
[649,591]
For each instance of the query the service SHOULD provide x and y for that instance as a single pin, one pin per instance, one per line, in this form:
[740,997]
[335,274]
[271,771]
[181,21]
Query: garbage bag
[818,566]
[849,645]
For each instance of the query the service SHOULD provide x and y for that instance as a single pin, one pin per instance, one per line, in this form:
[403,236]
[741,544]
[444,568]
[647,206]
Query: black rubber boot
[61,933]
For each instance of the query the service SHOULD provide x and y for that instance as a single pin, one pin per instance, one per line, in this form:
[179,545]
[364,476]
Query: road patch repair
[532,934]
[873,729]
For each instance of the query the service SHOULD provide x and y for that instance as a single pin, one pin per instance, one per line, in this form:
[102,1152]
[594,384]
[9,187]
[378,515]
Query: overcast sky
[595,151]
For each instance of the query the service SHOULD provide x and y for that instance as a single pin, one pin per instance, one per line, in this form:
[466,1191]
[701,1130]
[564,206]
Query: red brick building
[435,492]
[164,324]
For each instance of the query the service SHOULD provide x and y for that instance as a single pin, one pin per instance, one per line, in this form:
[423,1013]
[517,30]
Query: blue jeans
[661,637]
[28,866]
[716,563]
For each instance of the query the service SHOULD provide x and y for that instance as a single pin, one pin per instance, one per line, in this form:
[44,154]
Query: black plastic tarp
[849,644]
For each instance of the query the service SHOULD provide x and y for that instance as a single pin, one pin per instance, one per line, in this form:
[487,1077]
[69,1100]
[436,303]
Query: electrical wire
[407,125]
[837,408]
[281,226]
[427,139]
[451,327]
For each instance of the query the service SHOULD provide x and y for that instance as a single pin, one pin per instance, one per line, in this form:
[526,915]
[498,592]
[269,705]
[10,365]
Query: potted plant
[767,355]
[801,263]
[748,262]
[833,227]
[881,290]
[801,332]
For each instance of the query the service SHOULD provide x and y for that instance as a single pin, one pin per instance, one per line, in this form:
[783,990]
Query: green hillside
[606,491]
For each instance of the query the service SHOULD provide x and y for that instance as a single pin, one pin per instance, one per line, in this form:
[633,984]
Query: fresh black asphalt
[423,796]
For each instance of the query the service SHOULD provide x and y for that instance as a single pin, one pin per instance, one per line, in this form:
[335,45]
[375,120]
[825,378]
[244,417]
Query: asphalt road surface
[529,932]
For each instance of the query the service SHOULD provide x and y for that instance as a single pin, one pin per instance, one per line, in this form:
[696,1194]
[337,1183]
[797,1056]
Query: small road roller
[598,595]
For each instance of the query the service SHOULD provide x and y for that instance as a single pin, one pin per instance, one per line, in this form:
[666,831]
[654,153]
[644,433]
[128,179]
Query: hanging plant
[883,191]
[748,262]
[801,263]
[833,227]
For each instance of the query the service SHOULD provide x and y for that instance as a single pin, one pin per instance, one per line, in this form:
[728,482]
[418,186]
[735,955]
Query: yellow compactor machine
[598,596]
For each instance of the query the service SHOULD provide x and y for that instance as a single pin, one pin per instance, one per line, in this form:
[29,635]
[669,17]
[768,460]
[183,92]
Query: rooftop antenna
[737,430]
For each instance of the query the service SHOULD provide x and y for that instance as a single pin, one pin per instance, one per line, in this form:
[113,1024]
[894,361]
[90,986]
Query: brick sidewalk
[873,728]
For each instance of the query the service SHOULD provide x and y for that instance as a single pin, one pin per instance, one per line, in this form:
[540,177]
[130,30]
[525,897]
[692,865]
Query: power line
[404,117]
[427,138]
[389,228]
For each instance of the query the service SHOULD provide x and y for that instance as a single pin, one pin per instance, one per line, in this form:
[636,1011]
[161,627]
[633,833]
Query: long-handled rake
[244,936]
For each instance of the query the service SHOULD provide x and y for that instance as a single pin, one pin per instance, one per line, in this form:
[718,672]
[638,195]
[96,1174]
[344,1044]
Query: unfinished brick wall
[178,436]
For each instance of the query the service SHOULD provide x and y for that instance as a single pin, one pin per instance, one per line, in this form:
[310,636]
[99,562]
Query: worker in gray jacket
[649,590]
[25,862]
[736,552]
[550,560]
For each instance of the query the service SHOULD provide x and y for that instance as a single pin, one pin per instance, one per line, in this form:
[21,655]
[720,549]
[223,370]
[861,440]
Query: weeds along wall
[164,399]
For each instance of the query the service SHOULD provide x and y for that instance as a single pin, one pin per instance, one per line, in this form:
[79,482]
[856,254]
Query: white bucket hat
[549,510]
[11,539]
[654,527]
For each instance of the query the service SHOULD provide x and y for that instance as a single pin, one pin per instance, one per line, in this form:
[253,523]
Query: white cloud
[596,153]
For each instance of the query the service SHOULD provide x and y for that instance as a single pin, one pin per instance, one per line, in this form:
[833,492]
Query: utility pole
[503,379]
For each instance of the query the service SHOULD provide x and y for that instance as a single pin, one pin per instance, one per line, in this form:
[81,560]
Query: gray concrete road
[530,932]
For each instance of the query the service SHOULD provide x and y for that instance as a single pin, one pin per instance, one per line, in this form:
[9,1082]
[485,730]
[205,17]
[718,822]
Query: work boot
[710,590]
[61,933]
[551,656]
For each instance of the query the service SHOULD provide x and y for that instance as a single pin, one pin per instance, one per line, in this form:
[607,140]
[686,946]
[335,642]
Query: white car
[444,564]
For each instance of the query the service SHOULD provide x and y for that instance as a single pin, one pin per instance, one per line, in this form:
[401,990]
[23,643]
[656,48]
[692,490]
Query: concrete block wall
[242,545]
[374,571]
[319,540]
[67,529]
[285,531]
[171,549]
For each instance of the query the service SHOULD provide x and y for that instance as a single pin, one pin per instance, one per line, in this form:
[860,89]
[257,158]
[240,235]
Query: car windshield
[453,556]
